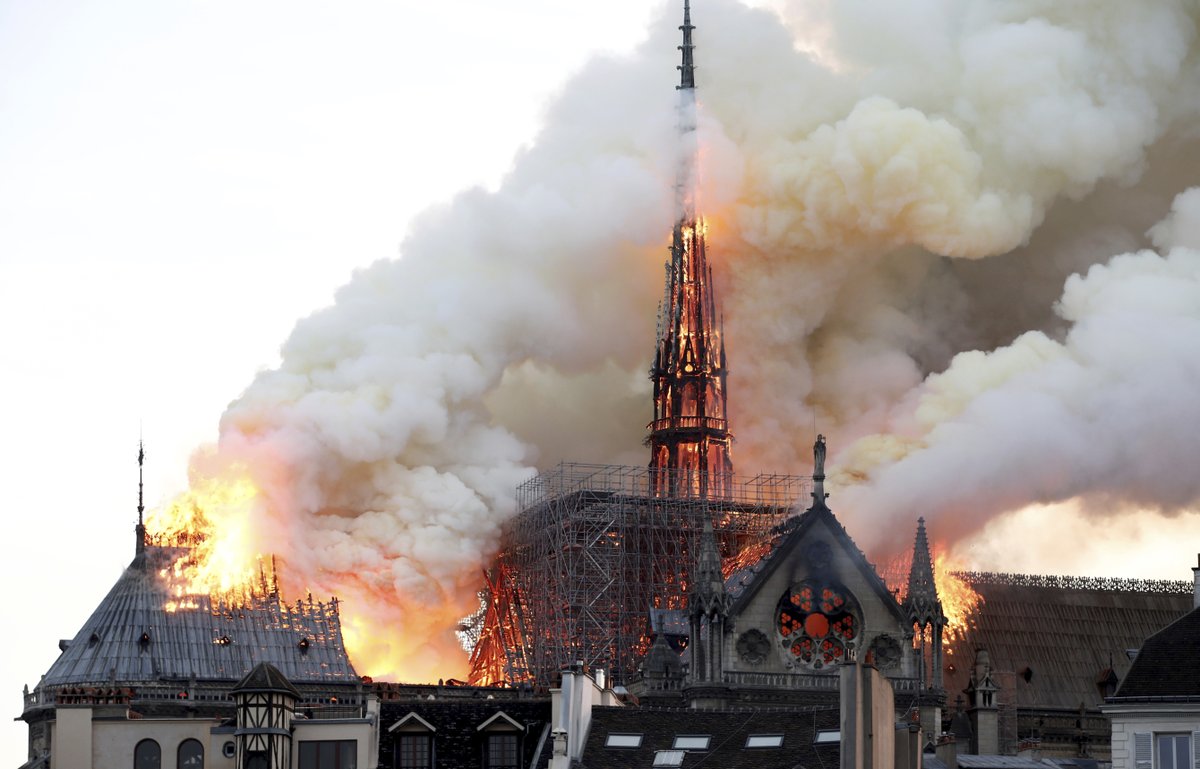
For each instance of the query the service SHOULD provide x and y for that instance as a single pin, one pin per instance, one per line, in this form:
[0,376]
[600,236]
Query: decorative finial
[687,70]
[140,529]
[141,462]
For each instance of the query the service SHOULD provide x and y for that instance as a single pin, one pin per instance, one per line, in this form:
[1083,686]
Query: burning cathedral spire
[689,438]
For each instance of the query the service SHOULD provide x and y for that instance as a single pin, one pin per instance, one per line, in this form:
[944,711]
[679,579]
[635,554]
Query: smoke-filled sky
[955,237]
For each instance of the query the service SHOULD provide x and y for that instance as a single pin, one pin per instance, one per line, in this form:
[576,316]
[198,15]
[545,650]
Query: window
[623,741]
[147,755]
[1174,751]
[329,754]
[414,751]
[502,751]
[764,741]
[191,755]
[694,742]
[669,757]
[257,759]
[828,737]
[817,622]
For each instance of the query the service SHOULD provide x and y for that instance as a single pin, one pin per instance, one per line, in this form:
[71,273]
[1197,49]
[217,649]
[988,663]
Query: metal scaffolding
[592,551]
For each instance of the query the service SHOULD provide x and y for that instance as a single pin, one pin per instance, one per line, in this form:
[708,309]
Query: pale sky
[179,183]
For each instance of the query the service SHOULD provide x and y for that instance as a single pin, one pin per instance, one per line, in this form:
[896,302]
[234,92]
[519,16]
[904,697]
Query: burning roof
[143,633]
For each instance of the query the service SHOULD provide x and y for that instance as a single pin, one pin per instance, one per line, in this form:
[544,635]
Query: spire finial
[141,462]
[687,69]
[818,492]
[140,530]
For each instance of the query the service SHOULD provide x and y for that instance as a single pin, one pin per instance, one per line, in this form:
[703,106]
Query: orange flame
[210,525]
[959,599]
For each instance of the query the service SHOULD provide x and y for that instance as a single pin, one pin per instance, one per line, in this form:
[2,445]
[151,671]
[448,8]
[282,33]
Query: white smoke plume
[859,161]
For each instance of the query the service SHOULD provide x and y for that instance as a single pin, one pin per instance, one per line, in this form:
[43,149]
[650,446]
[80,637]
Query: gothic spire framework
[689,438]
[924,610]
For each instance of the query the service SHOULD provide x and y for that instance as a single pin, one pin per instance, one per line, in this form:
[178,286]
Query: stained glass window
[817,622]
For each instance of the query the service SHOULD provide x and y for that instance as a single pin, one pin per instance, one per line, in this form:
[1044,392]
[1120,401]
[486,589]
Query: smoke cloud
[897,195]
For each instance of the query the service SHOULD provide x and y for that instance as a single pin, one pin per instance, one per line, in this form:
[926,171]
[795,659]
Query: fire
[959,599]
[210,526]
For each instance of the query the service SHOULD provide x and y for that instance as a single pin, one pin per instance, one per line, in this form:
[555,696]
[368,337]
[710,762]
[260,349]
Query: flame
[959,599]
[210,526]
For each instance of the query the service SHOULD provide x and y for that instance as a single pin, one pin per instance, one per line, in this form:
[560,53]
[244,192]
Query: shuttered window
[1141,750]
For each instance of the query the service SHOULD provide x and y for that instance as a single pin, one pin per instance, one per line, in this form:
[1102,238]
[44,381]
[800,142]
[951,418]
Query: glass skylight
[623,741]
[669,757]
[692,742]
[764,741]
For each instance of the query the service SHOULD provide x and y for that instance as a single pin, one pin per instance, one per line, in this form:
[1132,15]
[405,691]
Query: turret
[924,610]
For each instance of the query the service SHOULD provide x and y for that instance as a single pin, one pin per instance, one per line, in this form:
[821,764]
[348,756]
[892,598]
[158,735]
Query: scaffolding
[592,551]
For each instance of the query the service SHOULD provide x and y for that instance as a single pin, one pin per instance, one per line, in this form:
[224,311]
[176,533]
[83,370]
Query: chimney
[1196,590]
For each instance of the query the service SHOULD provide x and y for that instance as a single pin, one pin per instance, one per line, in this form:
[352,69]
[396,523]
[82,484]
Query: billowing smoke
[859,161]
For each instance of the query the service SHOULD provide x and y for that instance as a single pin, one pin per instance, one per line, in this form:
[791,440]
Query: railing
[808,681]
[687,423]
[349,705]
[1063,582]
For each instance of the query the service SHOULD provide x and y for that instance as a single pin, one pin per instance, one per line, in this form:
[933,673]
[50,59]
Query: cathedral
[647,612]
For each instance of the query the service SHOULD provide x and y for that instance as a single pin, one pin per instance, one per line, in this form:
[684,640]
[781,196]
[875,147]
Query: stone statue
[819,456]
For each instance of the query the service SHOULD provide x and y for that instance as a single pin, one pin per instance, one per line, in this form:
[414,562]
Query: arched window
[191,755]
[147,755]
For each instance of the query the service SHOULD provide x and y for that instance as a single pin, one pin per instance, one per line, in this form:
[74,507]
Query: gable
[818,548]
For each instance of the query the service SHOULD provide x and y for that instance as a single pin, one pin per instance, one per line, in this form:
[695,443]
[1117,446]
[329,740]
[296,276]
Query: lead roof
[132,638]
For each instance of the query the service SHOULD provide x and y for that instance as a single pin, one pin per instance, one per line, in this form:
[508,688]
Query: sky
[179,183]
[182,182]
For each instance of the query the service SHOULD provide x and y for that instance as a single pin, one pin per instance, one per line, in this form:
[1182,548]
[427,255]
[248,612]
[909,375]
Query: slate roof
[1167,665]
[728,730]
[265,678]
[132,638]
[1052,640]
[458,743]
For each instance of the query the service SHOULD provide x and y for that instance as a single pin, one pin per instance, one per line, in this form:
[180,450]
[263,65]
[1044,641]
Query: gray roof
[1053,640]
[1166,667]
[132,638]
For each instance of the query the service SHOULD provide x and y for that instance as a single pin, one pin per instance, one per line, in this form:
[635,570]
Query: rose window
[817,623]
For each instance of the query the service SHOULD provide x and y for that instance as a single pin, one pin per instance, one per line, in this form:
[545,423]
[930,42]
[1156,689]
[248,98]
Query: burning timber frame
[593,550]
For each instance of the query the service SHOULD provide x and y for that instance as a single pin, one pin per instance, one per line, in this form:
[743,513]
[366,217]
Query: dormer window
[414,742]
[501,741]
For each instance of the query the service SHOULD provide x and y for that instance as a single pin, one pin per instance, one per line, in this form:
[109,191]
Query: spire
[687,69]
[140,530]
[689,438]
[818,493]
[708,594]
[922,601]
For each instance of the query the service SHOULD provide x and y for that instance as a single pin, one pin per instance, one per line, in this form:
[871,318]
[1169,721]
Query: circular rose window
[817,622]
